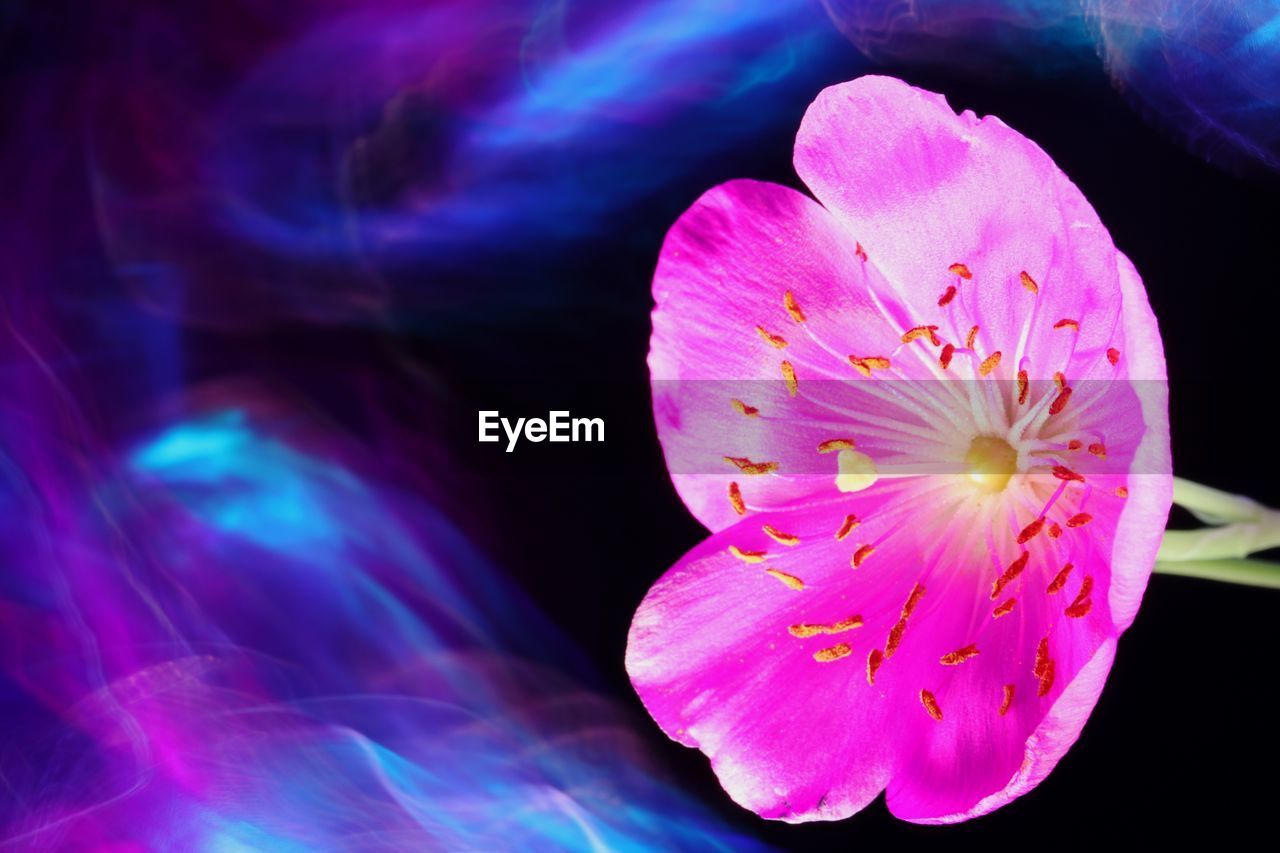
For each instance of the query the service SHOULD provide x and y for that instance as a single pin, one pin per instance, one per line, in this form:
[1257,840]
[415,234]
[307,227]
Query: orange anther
[1082,604]
[1122,492]
[960,270]
[1075,444]
[1009,575]
[866,365]
[917,593]
[959,656]
[746,466]
[786,579]
[793,308]
[930,332]
[860,555]
[1004,608]
[789,376]
[1031,531]
[1007,699]
[859,252]
[1062,472]
[807,630]
[989,363]
[1079,609]
[931,705]
[1059,580]
[840,650]
[744,409]
[772,339]
[1080,519]
[832,445]
[971,337]
[896,632]
[1067,323]
[1044,668]
[1054,531]
[735,499]
[1023,384]
[1060,379]
[747,556]
[1028,282]
[874,659]
[1060,402]
[778,536]
[846,526]
[1098,449]
[947,296]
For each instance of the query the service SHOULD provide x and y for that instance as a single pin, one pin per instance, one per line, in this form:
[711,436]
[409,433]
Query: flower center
[992,462]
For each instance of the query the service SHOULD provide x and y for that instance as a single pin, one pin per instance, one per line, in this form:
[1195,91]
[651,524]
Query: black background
[1182,741]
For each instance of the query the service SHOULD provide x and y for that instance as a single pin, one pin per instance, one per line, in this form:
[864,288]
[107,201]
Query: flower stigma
[992,462]
[855,471]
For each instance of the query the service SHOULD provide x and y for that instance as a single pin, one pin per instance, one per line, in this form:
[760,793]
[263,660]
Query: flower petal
[929,193]
[754,276]
[1150,484]
[1002,710]
[927,796]
[748,666]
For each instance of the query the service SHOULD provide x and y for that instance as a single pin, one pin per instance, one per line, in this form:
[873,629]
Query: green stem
[1238,526]
[1214,506]
[1248,572]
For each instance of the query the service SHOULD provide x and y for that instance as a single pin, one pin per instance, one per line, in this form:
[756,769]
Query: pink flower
[925,420]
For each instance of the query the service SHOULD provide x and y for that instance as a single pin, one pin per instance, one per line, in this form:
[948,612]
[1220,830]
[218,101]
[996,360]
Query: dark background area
[1182,741]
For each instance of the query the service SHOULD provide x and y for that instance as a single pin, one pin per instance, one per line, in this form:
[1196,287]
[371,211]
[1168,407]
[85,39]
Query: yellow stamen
[772,339]
[846,526]
[747,556]
[788,580]
[778,536]
[810,630]
[989,363]
[735,499]
[789,376]
[746,466]
[836,652]
[793,308]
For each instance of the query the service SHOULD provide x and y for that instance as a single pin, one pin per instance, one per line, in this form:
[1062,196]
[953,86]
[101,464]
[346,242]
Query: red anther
[1031,531]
